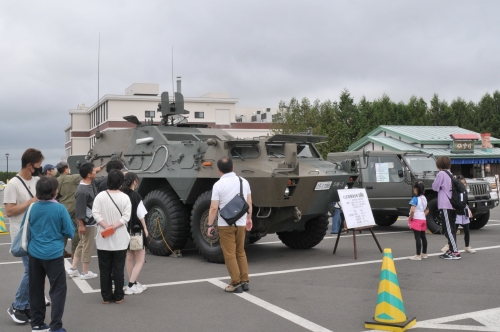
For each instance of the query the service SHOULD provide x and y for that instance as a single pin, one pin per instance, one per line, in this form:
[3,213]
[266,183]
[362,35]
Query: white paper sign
[382,172]
[356,208]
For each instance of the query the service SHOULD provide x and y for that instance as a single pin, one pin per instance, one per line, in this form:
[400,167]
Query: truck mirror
[401,173]
[291,154]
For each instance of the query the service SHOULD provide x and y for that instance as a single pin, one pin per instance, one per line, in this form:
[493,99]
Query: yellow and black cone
[3,229]
[390,312]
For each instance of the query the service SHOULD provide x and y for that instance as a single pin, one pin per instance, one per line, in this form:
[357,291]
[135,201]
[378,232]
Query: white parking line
[487,318]
[82,284]
[16,262]
[275,310]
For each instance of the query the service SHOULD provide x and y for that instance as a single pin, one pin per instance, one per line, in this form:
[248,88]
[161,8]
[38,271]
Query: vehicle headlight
[287,192]
[468,189]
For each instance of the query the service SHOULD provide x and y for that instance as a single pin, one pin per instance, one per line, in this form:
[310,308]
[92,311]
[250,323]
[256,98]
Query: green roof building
[470,153]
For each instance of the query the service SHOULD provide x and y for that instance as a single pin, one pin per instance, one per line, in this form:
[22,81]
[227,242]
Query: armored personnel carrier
[176,163]
[388,177]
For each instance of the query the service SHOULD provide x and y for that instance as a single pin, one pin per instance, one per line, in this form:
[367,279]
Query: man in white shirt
[19,193]
[232,238]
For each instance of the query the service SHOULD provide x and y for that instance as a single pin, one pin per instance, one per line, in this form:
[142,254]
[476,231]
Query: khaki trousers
[85,245]
[232,241]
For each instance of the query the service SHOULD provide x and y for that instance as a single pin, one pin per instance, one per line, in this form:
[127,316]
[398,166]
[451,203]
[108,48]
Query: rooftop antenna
[98,133]
[173,91]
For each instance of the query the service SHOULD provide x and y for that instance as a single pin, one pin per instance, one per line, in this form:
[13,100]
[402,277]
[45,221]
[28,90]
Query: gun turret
[168,109]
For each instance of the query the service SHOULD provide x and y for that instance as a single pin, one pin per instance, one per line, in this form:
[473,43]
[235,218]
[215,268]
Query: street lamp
[7,156]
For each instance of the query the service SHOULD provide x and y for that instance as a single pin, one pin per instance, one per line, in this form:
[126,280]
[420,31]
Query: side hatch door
[384,181]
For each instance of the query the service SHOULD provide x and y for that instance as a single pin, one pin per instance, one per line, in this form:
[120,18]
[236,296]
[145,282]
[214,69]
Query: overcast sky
[260,52]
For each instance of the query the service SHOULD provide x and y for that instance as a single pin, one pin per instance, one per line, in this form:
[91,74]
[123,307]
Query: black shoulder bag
[90,221]
[236,208]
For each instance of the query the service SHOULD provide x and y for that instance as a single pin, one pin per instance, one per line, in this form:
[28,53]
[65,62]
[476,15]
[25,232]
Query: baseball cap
[48,167]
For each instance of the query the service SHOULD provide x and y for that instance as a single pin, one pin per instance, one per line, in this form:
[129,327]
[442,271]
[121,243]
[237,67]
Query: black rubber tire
[385,220]
[434,223]
[252,240]
[166,205]
[209,248]
[480,221]
[313,233]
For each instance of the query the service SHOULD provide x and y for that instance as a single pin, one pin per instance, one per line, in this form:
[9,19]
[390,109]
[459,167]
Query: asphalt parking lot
[291,290]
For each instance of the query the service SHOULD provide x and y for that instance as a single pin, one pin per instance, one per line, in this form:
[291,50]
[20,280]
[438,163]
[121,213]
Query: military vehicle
[388,177]
[176,163]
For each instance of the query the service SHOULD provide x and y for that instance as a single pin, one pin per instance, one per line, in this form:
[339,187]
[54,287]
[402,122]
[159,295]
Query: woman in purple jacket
[443,186]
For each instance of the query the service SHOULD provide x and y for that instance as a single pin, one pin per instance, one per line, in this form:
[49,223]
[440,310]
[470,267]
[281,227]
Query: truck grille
[479,189]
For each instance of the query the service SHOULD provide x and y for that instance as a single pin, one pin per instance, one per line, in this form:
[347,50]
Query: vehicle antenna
[98,133]
[173,91]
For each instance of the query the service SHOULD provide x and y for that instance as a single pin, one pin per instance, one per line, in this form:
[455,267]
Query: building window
[199,115]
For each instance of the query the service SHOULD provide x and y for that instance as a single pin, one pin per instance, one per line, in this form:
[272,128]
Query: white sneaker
[133,290]
[89,275]
[424,256]
[139,285]
[445,248]
[470,250]
[73,272]
[415,258]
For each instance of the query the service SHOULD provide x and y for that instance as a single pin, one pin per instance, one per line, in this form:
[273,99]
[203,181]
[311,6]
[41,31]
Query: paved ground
[291,290]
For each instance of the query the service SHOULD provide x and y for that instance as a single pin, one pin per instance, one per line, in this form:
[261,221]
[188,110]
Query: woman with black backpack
[463,219]
[443,185]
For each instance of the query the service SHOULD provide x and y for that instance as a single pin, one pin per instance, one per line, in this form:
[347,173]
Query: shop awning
[476,161]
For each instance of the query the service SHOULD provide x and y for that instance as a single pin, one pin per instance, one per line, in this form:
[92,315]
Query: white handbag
[136,242]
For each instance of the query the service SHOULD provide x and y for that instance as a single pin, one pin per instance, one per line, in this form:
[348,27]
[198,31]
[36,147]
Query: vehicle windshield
[277,150]
[420,164]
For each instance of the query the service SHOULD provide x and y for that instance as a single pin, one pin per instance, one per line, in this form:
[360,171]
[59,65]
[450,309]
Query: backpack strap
[452,183]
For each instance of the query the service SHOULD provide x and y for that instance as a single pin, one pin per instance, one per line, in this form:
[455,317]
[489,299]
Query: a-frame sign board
[357,213]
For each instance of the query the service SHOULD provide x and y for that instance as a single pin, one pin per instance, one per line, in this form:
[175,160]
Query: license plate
[323,185]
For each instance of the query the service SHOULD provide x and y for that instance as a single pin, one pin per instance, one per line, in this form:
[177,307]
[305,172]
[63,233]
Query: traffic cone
[390,312]
[3,229]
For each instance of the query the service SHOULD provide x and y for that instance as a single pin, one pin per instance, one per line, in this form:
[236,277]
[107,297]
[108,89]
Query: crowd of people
[80,207]
[86,208]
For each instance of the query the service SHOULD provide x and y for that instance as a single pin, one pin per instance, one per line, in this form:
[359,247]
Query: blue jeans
[336,222]
[22,299]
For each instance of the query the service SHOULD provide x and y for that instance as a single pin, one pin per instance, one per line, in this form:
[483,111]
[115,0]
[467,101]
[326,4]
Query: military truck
[175,161]
[388,178]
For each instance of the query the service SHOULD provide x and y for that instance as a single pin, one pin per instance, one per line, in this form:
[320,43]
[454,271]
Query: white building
[218,110]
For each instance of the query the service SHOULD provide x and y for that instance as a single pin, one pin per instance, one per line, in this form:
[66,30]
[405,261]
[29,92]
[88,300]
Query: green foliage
[4,176]
[344,122]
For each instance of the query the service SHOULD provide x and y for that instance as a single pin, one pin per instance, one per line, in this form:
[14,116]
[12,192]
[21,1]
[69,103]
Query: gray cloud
[258,51]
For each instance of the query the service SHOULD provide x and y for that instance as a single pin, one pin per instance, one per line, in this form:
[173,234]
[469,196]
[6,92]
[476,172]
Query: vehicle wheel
[252,240]
[434,223]
[313,233]
[166,221]
[479,221]
[384,220]
[208,247]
